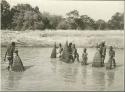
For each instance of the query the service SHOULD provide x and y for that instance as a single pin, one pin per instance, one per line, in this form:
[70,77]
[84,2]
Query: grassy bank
[48,37]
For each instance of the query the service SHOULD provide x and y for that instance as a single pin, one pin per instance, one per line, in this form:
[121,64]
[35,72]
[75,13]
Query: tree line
[24,17]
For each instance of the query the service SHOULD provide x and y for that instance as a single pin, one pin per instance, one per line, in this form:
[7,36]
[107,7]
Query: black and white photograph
[62,45]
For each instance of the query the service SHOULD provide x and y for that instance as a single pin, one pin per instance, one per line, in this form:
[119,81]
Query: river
[45,74]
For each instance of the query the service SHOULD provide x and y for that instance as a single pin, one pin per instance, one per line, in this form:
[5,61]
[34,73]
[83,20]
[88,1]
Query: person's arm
[110,54]
[86,54]
[82,55]
[61,50]
[105,50]
[114,54]
[5,56]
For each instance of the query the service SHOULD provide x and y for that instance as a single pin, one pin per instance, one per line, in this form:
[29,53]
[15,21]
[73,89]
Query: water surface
[45,74]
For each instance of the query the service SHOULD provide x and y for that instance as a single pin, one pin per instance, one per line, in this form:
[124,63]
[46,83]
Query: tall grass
[47,38]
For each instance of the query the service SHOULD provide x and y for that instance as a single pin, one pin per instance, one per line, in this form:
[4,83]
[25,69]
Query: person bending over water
[17,63]
[9,55]
[84,57]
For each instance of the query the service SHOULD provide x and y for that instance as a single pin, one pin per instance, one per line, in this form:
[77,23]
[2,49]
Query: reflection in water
[68,73]
[54,65]
[84,75]
[99,79]
[13,79]
[110,78]
[63,76]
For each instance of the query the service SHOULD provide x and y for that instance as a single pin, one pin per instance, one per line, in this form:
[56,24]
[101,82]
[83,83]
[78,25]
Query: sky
[95,9]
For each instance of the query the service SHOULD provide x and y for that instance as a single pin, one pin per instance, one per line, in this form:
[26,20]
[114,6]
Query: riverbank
[47,38]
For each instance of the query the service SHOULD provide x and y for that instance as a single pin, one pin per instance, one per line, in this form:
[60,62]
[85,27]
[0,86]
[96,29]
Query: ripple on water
[43,73]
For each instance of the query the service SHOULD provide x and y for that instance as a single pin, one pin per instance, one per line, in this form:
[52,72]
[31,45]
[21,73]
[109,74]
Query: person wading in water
[111,60]
[103,53]
[9,55]
[97,60]
[70,52]
[84,57]
[60,50]
[75,53]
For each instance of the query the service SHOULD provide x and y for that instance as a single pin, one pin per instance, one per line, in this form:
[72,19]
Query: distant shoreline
[47,38]
[52,47]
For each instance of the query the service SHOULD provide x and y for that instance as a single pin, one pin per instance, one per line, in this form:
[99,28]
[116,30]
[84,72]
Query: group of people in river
[73,54]
[98,60]
[67,54]
[100,55]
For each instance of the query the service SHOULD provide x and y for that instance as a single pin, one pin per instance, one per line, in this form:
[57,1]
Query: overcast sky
[95,9]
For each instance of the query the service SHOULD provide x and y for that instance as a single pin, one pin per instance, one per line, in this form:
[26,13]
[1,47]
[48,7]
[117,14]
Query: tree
[26,18]
[87,22]
[18,13]
[100,24]
[63,25]
[80,22]
[46,22]
[50,21]
[72,17]
[5,15]
[116,22]
[73,14]
[54,21]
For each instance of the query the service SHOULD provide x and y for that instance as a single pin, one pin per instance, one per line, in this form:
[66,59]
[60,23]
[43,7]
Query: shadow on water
[68,73]
[103,78]
[120,65]
[66,76]
[99,79]
[54,63]
[27,67]
[13,80]
[110,78]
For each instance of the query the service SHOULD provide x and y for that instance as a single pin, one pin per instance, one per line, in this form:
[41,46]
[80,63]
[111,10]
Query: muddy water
[45,74]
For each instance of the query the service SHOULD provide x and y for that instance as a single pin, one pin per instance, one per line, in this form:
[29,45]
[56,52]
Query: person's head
[60,45]
[103,43]
[70,44]
[84,49]
[13,43]
[111,48]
